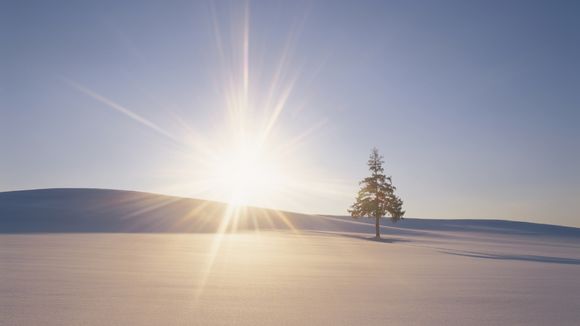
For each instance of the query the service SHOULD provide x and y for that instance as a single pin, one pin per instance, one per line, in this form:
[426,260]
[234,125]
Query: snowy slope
[101,210]
[288,269]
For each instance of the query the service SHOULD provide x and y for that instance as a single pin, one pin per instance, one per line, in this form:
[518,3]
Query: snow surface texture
[291,269]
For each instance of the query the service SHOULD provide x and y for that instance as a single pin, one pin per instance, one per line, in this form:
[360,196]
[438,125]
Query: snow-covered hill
[102,210]
[106,257]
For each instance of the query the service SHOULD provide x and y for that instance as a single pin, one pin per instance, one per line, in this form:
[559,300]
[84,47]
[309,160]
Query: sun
[253,154]
[248,174]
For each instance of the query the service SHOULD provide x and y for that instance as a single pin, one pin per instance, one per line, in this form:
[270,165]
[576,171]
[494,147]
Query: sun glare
[247,175]
[251,157]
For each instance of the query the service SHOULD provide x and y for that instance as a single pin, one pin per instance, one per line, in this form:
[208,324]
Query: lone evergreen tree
[377,198]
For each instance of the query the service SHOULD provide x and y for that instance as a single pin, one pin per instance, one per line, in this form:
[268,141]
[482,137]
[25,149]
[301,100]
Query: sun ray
[282,216]
[230,213]
[249,159]
[246,49]
[288,147]
[122,110]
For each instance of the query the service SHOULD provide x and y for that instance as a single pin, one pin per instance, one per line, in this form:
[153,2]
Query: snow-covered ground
[277,269]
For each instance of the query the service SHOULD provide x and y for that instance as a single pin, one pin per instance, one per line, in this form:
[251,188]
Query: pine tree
[377,198]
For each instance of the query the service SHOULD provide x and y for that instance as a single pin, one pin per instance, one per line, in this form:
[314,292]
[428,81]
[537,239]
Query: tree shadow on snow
[361,237]
[383,240]
[386,240]
[532,258]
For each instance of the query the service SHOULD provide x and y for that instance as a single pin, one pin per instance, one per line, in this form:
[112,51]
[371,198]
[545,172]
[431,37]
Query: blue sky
[474,104]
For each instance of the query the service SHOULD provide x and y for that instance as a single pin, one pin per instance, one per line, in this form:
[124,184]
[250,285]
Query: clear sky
[475,105]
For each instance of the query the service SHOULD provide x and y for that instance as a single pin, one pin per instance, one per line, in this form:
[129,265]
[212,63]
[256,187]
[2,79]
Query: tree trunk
[377,228]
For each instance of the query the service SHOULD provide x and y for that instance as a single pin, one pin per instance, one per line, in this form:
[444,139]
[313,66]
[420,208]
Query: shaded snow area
[302,270]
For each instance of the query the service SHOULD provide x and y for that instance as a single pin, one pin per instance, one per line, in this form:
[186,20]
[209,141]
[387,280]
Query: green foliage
[377,198]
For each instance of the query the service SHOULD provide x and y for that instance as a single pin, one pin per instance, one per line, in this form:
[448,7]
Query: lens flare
[246,160]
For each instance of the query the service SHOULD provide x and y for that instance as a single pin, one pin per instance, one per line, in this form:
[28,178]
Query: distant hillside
[477,226]
[102,210]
